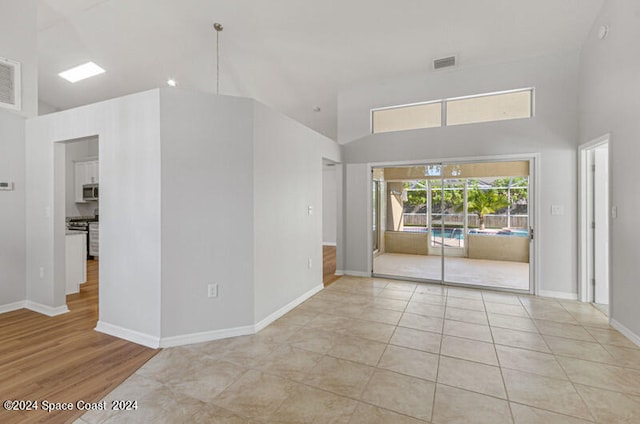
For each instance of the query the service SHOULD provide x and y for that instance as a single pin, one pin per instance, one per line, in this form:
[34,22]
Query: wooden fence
[490,221]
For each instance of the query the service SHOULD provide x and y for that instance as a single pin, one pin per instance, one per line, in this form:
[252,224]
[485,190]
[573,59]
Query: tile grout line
[504,384]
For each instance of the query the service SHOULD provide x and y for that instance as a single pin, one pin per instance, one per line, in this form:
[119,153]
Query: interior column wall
[207,213]
[288,212]
[129,132]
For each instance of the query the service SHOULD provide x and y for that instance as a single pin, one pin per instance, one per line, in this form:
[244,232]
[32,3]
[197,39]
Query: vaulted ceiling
[294,55]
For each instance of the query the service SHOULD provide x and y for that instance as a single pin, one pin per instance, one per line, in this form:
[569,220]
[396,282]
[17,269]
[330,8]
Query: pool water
[458,233]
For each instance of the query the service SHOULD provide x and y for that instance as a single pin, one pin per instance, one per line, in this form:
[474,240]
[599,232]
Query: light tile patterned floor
[474,272]
[377,351]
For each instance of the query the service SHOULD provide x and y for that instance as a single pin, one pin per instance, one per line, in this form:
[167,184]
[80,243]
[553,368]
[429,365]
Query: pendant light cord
[218,28]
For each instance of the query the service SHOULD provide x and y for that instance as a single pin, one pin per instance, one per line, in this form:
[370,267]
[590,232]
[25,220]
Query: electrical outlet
[310,210]
[310,263]
[212,290]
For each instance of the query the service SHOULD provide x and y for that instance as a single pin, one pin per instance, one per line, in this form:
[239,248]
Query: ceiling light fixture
[218,28]
[171,82]
[81,72]
[317,109]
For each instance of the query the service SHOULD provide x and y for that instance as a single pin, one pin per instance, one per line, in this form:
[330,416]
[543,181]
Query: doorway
[329,221]
[464,223]
[81,177]
[594,222]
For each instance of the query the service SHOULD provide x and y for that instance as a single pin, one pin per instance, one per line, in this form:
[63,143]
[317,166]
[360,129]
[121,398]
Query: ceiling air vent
[444,62]
[9,84]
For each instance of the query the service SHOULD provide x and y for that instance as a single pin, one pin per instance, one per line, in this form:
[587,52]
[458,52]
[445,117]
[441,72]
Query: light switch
[614,212]
[557,210]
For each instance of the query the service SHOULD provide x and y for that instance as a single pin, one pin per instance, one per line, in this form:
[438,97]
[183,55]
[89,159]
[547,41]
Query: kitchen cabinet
[76,260]
[86,172]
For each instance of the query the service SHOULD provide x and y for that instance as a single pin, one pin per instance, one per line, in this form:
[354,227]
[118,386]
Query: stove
[81,224]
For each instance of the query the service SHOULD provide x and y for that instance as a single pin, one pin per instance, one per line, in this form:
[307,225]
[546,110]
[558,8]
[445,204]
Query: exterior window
[427,115]
[463,110]
[497,107]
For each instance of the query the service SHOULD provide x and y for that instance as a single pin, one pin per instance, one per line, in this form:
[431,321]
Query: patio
[475,272]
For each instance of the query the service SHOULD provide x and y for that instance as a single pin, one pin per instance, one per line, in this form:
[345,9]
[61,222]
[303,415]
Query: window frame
[445,101]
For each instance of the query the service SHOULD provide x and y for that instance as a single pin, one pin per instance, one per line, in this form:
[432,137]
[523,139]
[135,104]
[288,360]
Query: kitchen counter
[76,260]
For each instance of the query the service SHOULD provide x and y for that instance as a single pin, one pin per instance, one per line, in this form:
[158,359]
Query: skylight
[81,72]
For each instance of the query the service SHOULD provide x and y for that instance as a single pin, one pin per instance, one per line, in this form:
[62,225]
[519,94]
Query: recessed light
[171,82]
[81,72]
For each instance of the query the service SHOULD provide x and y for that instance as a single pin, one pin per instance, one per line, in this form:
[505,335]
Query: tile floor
[377,351]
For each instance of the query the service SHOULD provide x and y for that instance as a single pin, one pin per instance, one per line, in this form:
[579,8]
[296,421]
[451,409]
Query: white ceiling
[290,54]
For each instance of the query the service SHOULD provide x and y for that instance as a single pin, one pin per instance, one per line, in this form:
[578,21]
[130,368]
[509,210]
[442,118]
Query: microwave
[90,192]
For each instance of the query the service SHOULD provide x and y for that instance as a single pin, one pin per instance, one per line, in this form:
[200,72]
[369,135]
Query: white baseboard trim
[286,308]
[44,309]
[206,336]
[329,243]
[339,272]
[127,334]
[558,295]
[12,306]
[357,273]
[625,331]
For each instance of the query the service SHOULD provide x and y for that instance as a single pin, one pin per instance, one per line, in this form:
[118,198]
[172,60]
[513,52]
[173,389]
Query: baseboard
[329,243]
[12,306]
[127,334]
[339,272]
[288,307]
[356,273]
[44,309]
[625,331]
[558,295]
[206,336]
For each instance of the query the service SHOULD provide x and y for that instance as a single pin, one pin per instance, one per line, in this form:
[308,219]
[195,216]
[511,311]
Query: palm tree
[485,201]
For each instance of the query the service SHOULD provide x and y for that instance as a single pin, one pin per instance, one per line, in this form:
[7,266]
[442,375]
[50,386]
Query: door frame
[534,205]
[585,289]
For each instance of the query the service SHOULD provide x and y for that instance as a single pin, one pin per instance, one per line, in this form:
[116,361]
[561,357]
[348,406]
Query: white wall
[287,180]
[77,151]
[552,133]
[207,212]
[12,241]
[329,204]
[18,42]
[609,103]
[129,132]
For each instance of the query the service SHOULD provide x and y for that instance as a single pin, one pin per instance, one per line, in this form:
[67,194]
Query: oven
[82,225]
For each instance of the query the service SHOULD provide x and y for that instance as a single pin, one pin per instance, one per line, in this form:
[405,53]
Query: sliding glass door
[461,223]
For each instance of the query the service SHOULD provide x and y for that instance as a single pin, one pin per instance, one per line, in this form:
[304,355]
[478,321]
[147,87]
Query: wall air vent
[444,62]
[10,84]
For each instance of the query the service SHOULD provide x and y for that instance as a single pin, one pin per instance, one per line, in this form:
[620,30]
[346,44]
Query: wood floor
[62,359]
[329,265]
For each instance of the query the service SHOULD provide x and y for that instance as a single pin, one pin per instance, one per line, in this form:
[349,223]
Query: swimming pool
[457,233]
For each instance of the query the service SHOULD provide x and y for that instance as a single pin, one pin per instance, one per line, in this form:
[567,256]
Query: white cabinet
[76,260]
[86,172]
